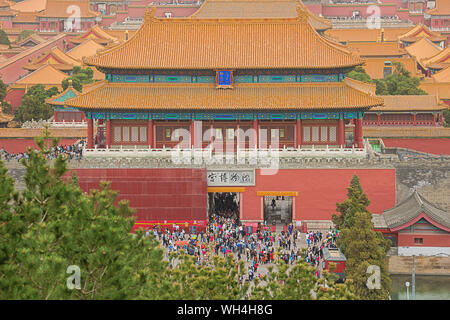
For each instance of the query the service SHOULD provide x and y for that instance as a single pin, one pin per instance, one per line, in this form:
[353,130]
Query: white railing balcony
[254,156]
[68,124]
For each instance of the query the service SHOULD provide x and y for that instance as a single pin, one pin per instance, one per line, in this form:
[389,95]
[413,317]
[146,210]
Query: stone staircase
[318,225]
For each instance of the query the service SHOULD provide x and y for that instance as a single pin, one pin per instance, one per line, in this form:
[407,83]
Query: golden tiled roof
[292,96]
[37,39]
[442,76]
[365,35]
[30,6]
[442,8]
[423,49]
[385,49]
[29,17]
[85,49]
[374,66]
[257,9]
[66,8]
[190,43]
[97,34]
[410,103]
[369,88]
[419,31]
[441,89]
[55,57]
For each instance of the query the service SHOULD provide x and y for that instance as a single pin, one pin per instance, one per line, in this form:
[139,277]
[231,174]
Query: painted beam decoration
[205,116]
[226,178]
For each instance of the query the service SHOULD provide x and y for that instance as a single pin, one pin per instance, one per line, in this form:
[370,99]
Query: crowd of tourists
[72,152]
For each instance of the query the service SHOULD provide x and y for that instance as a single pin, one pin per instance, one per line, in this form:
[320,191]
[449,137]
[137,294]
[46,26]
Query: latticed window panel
[143,134]
[323,134]
[134,134]
[306,134]
[315,134]
[117,134]
[333,133]
[126,134]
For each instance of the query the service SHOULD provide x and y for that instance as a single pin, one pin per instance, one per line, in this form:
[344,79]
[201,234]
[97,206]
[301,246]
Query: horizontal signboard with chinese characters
[242,177]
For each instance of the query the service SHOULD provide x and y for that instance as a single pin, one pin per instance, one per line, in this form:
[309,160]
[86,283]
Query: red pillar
[299,133]
[378,119]
[108,133]
[414,119]
[150,134]
[434,119]
[90,134]
[255,128]
[192,132]
[341,133]
[359,143]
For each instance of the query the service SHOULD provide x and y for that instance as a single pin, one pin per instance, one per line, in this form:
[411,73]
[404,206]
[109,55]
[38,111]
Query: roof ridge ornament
[302,14]
[150,14]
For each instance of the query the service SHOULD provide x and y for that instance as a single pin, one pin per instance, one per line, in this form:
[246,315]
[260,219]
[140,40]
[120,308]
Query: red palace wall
[319,190]
[156,194]
[14,97]
[181,194]
[429,240]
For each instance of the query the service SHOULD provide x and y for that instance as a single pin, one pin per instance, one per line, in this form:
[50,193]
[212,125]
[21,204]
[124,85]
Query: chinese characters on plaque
[231,178]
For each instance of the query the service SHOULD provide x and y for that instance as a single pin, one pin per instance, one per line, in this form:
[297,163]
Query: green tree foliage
[446,114]
[299,282]
[33,104]
[24,34]
[361,245]
[363,248]
[4,38]
[399,83]
[53,225]
[358,73]
[356,201]
[79,78]
[5,106]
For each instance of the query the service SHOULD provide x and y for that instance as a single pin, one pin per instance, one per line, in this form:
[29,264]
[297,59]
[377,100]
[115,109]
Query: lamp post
[413,289]
[407,290]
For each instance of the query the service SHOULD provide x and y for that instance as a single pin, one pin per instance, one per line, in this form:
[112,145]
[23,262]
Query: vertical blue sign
[224,78]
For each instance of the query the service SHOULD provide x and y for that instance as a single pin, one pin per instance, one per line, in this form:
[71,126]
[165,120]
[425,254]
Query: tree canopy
[34,106]
[79,78]
[4,38]
[361,245]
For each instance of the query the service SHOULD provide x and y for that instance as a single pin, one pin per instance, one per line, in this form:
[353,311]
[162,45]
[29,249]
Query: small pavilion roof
[423,49]
[419,31]
[97,34]
[410,103]
[410,210]
[257,9]
[61,9]
[442,8]
[35,38]
[182,96]
[58,100]
[55,57]
[191,43]
[366,35]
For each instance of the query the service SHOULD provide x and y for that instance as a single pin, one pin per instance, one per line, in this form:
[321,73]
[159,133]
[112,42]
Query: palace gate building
[239,91]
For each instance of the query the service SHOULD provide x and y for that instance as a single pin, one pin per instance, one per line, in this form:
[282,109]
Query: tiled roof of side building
[442,76]
[411,208]
[180,43]
[441,89]
[66,9]
[257,9]
[365,35]
[442,8]
[440,60]
[410,103]
[294,96]
[423,49]
[59,99]
[85,49]
[30,6]
[97,34]
[46,75]
[385,49]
